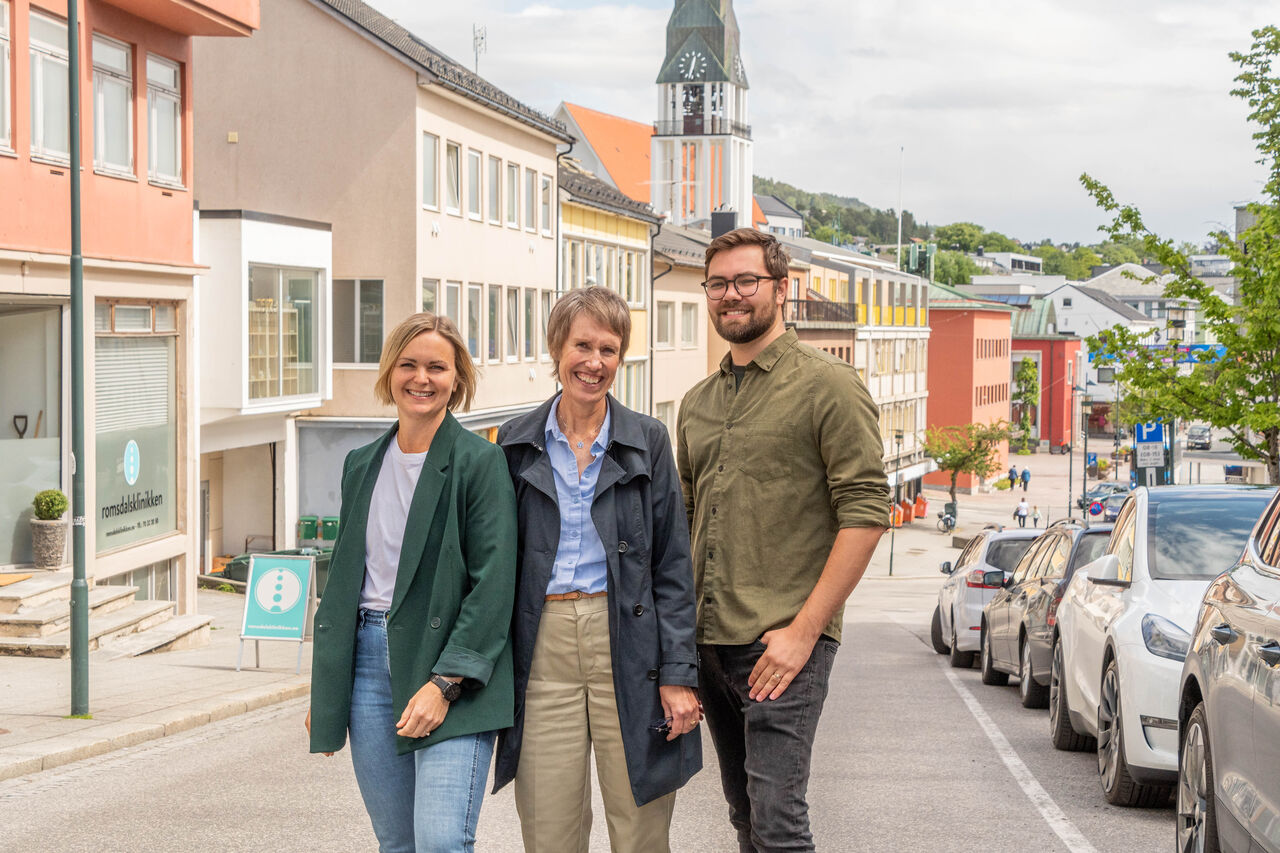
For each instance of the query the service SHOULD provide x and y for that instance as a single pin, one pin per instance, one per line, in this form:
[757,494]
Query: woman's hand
[424,713]
[307,723]
[681,706]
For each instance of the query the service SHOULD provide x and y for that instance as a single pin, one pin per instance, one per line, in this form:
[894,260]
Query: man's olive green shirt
[771,470]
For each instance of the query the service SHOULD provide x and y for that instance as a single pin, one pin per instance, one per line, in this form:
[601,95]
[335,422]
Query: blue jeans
[423,802]
[764,748]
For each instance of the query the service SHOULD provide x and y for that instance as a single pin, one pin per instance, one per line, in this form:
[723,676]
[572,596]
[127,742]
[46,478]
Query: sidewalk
[133,700]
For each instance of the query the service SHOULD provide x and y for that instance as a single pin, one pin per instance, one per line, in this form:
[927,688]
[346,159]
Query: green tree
[954,268]
[1026,395]
[994,241]
[964,236]
[1238,390]
[1115,253]
[966,449]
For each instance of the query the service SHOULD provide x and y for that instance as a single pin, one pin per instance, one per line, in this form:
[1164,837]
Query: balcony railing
[702,126]
[818,311]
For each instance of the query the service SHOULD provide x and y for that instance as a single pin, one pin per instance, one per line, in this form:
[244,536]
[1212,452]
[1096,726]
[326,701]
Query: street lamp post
[1071,448]
[897,493]
[1086,408]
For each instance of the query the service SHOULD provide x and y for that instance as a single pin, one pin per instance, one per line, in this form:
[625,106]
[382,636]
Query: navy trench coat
[639,513]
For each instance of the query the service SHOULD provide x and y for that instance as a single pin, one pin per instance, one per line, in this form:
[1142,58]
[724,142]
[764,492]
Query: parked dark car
[1100,492]
[1199,437]
[1111,506]
[1229,706]
[1017,624]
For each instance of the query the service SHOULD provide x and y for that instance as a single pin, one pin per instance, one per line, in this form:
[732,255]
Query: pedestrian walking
[426,542]
[779,453]
[1021,511]
[1035,516]
[1026,477]
[1013,477]
[605,654]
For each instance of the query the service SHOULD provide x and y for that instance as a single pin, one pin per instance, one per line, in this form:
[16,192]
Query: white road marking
[1054,816]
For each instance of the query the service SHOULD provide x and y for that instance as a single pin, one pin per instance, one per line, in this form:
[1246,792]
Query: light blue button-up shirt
[580,562]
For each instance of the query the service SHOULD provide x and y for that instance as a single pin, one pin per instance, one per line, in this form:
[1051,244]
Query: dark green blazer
[455,588]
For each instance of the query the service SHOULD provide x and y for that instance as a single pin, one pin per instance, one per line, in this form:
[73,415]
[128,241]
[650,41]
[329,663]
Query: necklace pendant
[579,445]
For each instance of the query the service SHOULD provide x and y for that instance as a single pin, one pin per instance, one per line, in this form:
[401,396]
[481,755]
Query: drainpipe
[559,248]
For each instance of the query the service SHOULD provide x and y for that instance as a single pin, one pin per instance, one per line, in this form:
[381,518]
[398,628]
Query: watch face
[693,64]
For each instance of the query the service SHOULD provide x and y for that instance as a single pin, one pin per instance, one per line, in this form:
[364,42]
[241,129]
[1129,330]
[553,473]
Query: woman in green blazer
[411,655]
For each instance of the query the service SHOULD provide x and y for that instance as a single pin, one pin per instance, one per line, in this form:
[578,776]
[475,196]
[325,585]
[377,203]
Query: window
[1066,302]
[530,200]
[513,322]
[283,331]
[453,302]
[6,134]
[513,195]
[546,204]
[357,320]
[431,295]
[112,105]
[547,299]
[473,183]
[475,317]
[495,322]
[453,177]
[629,386]
[430,171]
[530,323]
[665,412]
[50,115]
[495,190]
[689,317]
[164,121]
[663,331]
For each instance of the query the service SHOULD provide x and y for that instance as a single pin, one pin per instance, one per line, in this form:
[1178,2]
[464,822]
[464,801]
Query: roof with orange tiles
[621,145]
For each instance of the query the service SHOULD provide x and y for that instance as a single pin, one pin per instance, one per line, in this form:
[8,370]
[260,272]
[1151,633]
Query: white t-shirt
[388,514]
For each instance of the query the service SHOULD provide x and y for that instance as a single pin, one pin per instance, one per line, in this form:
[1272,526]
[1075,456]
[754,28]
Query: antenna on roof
[478,44]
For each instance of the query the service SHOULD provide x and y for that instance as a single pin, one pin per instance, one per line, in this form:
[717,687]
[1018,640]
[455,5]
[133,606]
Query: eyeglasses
[661,726]
[746,285]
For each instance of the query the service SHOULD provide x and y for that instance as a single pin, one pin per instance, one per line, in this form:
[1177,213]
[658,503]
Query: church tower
[701,146]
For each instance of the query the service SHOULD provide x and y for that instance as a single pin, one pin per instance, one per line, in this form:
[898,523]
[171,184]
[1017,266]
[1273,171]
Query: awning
[912,472]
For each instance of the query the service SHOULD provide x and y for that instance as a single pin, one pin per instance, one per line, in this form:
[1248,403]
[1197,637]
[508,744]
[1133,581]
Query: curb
[48,753]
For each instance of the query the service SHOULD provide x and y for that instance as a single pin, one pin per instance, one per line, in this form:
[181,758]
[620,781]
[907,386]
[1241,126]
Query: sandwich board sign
[279,595]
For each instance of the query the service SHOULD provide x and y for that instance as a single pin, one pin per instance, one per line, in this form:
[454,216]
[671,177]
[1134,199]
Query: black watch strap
[451,689]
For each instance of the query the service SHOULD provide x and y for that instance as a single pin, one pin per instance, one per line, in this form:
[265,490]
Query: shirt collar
[553,432]
[768,356]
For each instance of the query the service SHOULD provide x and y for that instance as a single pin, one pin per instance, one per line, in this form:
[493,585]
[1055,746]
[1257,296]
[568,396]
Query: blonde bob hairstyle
[464,389]
[601,304]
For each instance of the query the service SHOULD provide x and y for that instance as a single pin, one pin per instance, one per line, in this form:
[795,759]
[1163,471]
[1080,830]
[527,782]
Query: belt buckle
[574,595]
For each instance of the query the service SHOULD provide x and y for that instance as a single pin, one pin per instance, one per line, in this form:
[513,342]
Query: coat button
[638,610]
[435,621]
[622,547]
[653,675]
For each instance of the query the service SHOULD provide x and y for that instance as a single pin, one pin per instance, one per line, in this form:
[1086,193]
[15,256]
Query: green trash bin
[238,569]
[308,527]
[329,530]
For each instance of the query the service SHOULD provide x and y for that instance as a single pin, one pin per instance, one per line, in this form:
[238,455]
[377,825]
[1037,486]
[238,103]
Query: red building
[969,368]
[1057,358]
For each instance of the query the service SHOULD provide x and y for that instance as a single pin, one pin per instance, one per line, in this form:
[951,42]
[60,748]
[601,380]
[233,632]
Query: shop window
[135,396]
[164,121]
[50,115]
[283,330]
[357,320]
[112,105]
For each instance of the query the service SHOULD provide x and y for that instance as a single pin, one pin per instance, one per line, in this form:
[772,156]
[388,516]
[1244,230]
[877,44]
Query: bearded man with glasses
[788,433]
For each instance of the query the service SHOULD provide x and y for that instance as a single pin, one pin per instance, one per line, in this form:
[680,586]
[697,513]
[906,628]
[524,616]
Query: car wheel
[1197,820]
[1061,732]
[1117,784]
[990,675]
[935,633]
[959,659]
[1032,694]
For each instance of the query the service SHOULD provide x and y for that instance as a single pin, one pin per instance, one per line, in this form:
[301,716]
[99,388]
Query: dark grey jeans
[764,748]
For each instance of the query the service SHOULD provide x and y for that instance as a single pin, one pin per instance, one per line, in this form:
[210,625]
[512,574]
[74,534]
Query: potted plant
[48,529]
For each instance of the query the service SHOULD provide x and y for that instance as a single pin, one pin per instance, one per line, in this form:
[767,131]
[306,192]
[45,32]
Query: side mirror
[945,568]
[1105,571]
[993,578]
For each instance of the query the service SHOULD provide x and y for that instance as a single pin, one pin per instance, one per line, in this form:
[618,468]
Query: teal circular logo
[132,462]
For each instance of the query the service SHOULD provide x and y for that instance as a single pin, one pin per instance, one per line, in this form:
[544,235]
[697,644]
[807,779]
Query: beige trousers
[569,710]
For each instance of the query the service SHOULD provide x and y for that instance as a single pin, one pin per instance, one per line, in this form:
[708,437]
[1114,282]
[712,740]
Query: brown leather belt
[575,595]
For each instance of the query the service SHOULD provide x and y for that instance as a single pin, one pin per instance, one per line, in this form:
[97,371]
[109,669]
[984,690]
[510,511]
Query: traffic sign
[1150,454]
[1149,433]
[1095,508]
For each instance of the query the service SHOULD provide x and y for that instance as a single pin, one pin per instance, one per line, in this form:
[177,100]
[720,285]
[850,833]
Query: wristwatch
[451,689]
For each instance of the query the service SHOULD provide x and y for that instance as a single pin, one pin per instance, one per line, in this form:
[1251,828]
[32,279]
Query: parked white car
[970,585]
[1124,628]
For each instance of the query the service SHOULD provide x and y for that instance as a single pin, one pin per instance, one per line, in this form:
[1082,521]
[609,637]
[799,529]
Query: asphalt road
[911,756]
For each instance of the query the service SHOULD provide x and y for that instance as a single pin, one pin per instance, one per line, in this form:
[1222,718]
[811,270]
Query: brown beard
[757,324]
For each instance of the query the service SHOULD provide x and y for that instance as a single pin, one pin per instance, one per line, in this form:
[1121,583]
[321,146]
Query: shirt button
[653,675]
[435,621]
[622,547]
[638,610]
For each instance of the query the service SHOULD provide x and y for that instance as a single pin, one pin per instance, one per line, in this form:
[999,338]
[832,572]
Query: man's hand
[786,652]
[307,723]
[424,713]
[681,706]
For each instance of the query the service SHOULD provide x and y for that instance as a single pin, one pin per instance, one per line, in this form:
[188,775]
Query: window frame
[511,326]
[475,185]
[452,158]
[431,170]
[453,290]
[159,91]
[546,189]
[546,301]
[358,286]
[45,52]
[512,219]
[529,304]
[660,326]
[495,190]
[530,200]
[108,76]
[475,320]
[6,79]
[494,308]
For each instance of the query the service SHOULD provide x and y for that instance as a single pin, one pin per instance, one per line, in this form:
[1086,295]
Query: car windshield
[1116,500]
[1006,553]
[1199,539]
[1091,547]
[1196,430]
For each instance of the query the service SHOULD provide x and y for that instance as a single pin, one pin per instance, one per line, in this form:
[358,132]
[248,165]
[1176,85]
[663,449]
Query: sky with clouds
[997,105]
